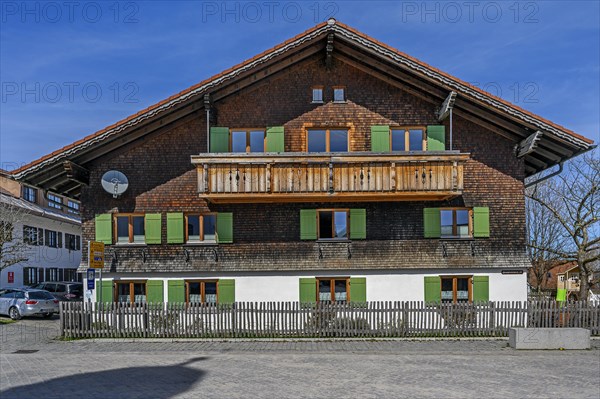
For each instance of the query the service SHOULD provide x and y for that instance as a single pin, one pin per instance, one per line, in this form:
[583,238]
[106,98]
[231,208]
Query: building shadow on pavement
[128,382]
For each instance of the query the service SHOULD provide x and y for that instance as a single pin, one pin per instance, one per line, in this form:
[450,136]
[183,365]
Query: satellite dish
[114,182]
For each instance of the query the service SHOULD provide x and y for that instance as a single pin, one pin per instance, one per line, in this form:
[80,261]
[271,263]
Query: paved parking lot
[34,364]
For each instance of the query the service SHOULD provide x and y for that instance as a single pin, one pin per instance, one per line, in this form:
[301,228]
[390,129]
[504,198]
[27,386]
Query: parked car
[63,290]
[19,302]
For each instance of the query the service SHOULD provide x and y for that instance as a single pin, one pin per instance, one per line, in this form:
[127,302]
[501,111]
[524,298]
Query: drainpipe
[207,107]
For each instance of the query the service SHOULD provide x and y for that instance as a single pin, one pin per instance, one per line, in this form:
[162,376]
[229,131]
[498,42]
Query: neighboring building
[331,167]
[563,282]
[51,225]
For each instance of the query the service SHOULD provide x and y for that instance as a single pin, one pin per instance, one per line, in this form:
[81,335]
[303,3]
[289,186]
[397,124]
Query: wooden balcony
[333,177]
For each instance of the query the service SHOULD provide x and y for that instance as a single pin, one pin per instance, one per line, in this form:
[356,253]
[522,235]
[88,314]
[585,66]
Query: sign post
[96,261]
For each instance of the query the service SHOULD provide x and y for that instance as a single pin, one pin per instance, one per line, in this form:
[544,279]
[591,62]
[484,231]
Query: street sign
[91,278]
[96,255]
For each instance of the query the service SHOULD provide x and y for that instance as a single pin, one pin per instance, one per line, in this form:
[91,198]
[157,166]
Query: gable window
[333,224]
[327,140]
[456,223]
[200,228]
[29,194]
[456,289]
[131,291]
[332,289]
[54,201]
[129,229]
[339,94]
[33,235]
[73,207]
[53,239]
[317,94]
[408,139]
[198,291]
[247,140]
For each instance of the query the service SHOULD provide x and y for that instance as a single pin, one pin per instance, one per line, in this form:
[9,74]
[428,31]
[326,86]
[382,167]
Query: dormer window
[317,94]
[29,194]
[339,94]
[54,201]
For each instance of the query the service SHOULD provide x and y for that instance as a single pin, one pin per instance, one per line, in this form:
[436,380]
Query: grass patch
[6,321]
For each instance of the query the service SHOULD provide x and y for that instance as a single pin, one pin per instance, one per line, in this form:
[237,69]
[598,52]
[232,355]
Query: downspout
[207,107]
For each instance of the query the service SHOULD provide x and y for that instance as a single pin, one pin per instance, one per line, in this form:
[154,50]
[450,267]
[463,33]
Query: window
[332,289]
[72,242]
[29,194]
[456,223]
[200,291]
[247,140]
[52,274]
[327,140]
[333,224]
[130,229]
[53,239]
[408,139]
[317,94]
[200,228]
[73,207]
[33,235]
[456,289]
[339,94]
[131,291]
[6,232]
[561,278]
[72,275]
[54,201]
[30,275]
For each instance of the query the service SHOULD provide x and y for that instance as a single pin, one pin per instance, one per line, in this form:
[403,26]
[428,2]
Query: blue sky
[68,69]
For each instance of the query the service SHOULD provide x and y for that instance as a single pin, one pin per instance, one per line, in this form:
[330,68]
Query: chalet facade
[331,167]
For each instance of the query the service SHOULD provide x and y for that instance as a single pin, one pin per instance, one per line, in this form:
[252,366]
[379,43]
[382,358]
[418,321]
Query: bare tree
[13,247]
[572,201]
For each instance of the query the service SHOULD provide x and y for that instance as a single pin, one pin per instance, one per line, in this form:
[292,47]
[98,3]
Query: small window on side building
[317,94]
[339,94]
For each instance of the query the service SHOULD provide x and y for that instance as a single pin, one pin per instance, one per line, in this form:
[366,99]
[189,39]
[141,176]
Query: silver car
[19,302]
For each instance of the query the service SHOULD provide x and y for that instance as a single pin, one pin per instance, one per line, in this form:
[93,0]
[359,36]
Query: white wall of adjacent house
[405,285]
[55,263]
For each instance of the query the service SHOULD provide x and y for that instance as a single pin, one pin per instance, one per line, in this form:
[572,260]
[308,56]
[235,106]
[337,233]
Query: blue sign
[91,278]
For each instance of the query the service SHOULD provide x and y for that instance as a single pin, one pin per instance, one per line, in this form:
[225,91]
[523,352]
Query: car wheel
[47,315]
[14,313]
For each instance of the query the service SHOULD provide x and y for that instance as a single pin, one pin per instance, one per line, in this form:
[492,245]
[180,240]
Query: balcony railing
[295,177]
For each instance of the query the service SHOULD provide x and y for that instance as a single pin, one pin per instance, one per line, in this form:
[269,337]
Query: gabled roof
[557,143]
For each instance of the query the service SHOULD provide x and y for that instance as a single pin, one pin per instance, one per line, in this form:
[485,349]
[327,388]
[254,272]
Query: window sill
[330,240]
[316,102]
[457,238]
[201,244]
[340,102]
[130,244]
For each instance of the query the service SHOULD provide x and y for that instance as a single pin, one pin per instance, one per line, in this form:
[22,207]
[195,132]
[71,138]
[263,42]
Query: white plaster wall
[406,285]
[43,256]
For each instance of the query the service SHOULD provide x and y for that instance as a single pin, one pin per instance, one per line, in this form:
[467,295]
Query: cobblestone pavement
[281,369]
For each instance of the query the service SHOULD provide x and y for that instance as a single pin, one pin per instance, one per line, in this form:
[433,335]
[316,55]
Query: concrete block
[549,338]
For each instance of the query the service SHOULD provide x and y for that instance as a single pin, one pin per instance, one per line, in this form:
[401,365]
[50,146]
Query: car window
[50,287]
[75,289]
[40,295]
[19,294]
[61,288]
[39,286]
[8,294]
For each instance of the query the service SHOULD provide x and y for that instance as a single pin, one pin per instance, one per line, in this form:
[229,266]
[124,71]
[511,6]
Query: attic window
[317,94]
[339,95]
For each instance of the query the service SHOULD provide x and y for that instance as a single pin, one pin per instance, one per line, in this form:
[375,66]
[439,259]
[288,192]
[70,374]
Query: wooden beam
[528,145]
[329,51]
[76,173]
[447,105]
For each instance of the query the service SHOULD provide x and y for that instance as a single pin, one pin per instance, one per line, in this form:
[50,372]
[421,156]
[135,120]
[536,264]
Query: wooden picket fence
[296,320]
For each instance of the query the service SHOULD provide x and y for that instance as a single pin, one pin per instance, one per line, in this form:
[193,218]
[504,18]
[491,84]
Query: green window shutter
[436,138]
[308,290]
[175,228]
[103,225]
[275,139]
[433,289]
[153,227]
[358,289]
[358,224]
[106,287]
[380,138]
[219,139]
[481,222]
[308,224]
[226,291]
[225,227]
[176,291]
[154,291]
[432,224]
[481,288]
